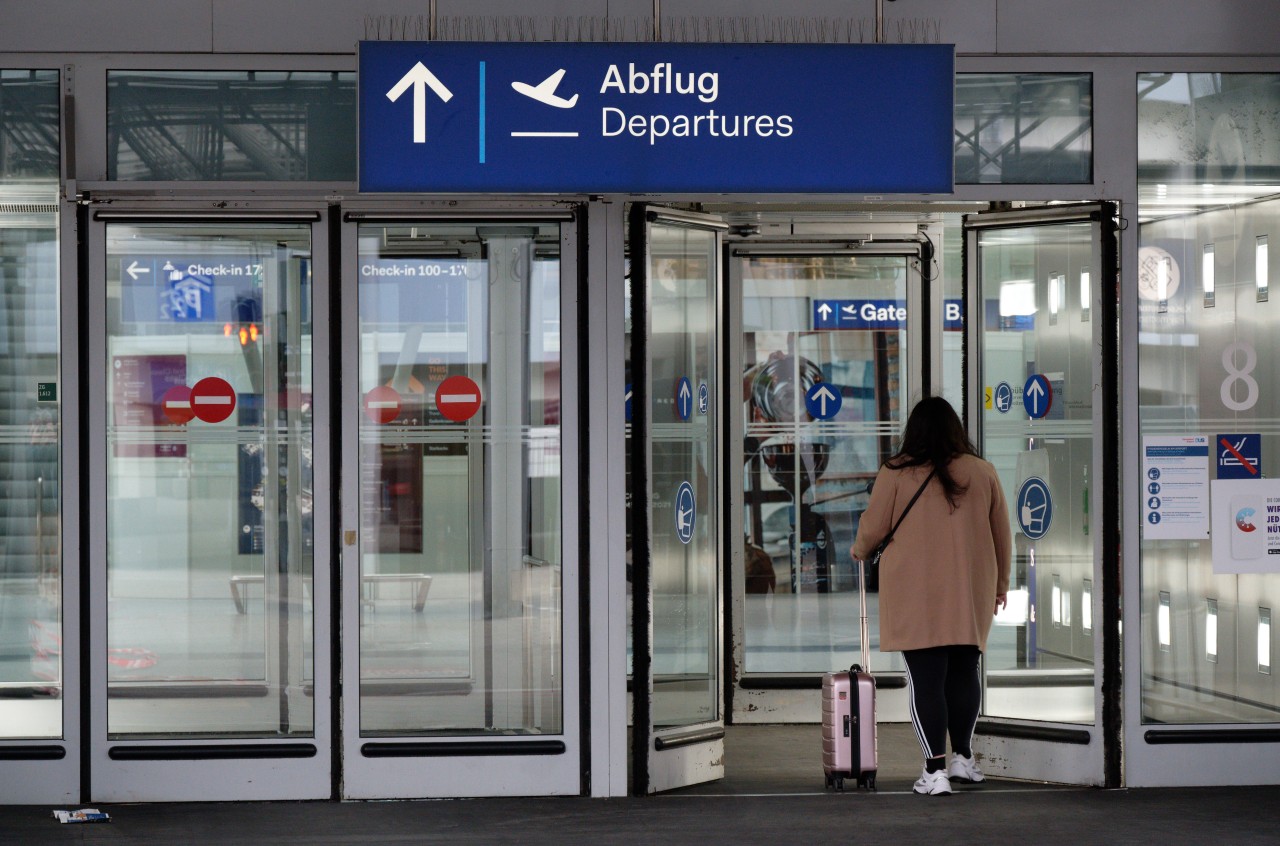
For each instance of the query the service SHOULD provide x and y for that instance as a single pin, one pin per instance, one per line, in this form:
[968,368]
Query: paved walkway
[772,794]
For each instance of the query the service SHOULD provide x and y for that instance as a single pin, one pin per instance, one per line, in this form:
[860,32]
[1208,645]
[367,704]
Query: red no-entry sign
[458,398]
[176,404]
[382,404]
[213,399]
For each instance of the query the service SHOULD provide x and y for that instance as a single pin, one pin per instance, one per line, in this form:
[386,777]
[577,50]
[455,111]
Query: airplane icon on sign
[545,91]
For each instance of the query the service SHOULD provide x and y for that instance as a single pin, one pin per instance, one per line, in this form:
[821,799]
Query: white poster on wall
[1246,525]
[1175,480]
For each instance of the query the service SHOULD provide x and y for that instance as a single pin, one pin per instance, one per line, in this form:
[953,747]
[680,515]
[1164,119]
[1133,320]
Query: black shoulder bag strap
[884,543]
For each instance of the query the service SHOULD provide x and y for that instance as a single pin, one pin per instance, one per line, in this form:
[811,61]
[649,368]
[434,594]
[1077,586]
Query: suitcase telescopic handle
[864,636]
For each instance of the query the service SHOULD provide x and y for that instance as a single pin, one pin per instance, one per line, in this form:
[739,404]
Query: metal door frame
[464,766]
[786,697]
[1062,749]
[666,759]
[198,769]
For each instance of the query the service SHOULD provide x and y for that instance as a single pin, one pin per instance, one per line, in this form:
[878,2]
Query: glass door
[1042,402]
[39,689]
[831,360]
[209,599]
[459,593]
[677,547]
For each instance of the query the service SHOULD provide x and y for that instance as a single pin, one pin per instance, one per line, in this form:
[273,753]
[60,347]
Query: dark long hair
[933,436]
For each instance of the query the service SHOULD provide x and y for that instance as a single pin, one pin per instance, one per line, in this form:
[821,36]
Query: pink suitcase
[849,737]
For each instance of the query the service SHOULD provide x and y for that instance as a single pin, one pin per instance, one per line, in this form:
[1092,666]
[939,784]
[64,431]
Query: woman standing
[943,577]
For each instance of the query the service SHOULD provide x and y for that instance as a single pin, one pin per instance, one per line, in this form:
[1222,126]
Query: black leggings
[945,694]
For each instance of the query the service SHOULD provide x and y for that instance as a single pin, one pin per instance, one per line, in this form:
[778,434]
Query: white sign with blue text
[1246,525]
[596,117]
[1175,484]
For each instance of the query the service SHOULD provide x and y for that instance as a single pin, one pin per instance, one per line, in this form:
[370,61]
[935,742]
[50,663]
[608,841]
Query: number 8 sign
[1235,375]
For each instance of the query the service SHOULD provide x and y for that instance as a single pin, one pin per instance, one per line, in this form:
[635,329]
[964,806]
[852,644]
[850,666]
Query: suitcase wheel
[839,784]
[868,780]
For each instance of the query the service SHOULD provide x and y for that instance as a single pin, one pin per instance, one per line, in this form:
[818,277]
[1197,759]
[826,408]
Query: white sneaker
[933,784]
[965,770]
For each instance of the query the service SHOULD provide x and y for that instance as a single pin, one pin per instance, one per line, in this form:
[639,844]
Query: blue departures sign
[554,117]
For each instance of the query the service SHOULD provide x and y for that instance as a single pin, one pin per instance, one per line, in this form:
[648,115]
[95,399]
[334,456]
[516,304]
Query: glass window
[1208,148]
[30,423]
[231,125]
[684,539]
[1039,663]
[807,481]
[460,504]
[1024,128]
[29,129]
[209,494]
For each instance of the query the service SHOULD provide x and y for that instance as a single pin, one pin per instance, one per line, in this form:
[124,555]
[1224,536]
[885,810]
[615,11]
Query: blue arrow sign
[669,117]
[1037,396]
[823,401]
[685,512]
[684,398]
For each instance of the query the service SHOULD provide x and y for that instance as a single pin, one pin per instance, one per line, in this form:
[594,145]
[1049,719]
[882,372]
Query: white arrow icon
[824,310]
[685,394]
[1036,391]
[419,77]
[135,270]
[823,394]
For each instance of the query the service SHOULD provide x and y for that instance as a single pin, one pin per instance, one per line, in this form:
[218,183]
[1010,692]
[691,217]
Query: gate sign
[823,401]
[655,117]
[685,507]
[878,314]
[212,399]
[1035,508]
[458,398]
[1037,396]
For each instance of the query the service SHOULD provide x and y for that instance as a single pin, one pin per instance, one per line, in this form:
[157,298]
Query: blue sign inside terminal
[877,314]
[594,117]
[188,289]
[427,291]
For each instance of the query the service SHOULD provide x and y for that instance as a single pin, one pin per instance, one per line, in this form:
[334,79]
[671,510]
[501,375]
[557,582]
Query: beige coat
[941,573]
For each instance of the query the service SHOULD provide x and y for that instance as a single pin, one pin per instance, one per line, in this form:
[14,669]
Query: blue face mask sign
[1034,508]
[598,117]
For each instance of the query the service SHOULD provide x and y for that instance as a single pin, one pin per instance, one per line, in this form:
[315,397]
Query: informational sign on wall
[139,384]
[626,116]
[1246,525]
[1175,480]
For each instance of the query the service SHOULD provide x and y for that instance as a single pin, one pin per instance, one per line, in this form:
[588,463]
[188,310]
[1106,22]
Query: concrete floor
[773,793]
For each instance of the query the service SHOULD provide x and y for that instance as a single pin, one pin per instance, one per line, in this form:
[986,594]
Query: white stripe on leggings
[915,718]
